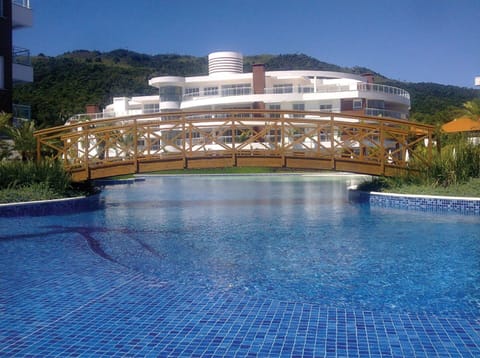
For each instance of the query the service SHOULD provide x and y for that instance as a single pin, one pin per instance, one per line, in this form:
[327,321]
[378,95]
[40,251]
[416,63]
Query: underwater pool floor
[90,285]
[84,305]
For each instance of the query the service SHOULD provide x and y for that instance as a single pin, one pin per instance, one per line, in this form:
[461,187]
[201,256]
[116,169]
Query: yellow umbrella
[462,124]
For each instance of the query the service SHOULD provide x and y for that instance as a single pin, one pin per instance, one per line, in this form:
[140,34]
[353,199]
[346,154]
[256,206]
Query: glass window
[357,104]
[1,8]
[192,92]
[286,88]
[236,90]
[210,91]
[298,107]
[274,107]
[305,89]
[151,108]
[326,107]
[170,94]
[376,103]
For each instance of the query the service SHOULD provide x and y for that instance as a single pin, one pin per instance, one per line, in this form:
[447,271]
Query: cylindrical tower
[225,61]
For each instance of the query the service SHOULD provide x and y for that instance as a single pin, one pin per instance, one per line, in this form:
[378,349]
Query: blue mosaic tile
[137,316]
[464,206]
[81,304]
[424,203]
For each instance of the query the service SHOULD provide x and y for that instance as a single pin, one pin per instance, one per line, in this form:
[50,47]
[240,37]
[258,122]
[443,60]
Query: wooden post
[135,144]
[382,148]
[39,157]
[332,141]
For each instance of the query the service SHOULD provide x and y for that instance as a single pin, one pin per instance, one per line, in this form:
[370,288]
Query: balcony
[400,94]
[22,15]
[21,66]
[21,112]
[377,112]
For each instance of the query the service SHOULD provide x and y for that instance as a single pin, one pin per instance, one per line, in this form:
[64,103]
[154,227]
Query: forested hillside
[65,84]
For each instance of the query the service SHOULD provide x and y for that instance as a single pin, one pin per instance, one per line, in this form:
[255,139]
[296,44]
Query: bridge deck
[239,138]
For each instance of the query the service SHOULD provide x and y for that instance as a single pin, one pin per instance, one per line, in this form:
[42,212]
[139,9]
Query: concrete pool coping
[51,207]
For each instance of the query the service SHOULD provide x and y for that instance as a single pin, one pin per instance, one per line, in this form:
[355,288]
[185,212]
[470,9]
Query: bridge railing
[297,139]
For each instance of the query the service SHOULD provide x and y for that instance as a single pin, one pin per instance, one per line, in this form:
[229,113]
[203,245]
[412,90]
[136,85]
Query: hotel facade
[227,87]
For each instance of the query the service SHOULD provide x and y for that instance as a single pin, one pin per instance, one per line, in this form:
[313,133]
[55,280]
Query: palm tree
[472,109]
[5,145]
[24,141]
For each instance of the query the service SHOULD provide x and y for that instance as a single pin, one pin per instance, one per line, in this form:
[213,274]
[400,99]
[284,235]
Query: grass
[470,188]
[452,171]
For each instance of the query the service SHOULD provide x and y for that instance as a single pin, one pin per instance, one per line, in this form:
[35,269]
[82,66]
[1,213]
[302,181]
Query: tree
[472,109]
[5,145]
[23,138]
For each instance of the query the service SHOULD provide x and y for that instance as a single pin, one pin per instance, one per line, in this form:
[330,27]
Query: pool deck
[84,305]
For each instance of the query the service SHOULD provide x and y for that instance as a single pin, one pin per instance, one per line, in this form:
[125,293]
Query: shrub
[457,163]
[25,181]
[15,174]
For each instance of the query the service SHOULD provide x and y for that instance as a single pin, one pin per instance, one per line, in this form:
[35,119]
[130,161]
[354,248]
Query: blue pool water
[289,238]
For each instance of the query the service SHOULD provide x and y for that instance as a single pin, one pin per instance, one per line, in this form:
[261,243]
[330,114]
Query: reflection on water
[295,238]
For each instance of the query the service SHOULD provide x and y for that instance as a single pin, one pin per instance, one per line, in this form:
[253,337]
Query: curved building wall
[225,61]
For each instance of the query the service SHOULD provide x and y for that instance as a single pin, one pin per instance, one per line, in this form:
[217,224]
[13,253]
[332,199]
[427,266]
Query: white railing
[307,89]
[90,116]
[22,3]
[383,88]
[21,56]
[376,112]
[369,87]
[22,111]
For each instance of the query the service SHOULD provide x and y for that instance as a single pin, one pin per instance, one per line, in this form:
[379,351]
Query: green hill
[65,84]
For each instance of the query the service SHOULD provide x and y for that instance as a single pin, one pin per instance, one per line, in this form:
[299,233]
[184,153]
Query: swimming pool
[291,239]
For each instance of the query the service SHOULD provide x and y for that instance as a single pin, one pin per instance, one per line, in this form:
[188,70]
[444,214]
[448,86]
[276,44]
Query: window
[275,107]
[236,90]
[151,108]
[170,94]
[325,107]
[192,92]
[298,107]
[357,104]
[1,8]
[376,103]
[210,91]
[287,88]
[305,89]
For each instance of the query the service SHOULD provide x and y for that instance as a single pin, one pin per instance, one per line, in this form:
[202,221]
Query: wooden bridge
[92,149]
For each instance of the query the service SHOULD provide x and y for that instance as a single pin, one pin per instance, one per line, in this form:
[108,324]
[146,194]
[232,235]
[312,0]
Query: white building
[227,87]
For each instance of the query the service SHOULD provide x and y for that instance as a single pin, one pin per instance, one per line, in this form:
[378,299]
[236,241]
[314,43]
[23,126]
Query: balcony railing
[383,88]
[369,87]
[375,112]
[21,56]
[90,116]
[22,3]
[22,112]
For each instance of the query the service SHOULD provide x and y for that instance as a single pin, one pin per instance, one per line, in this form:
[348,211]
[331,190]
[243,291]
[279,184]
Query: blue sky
[410,40]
